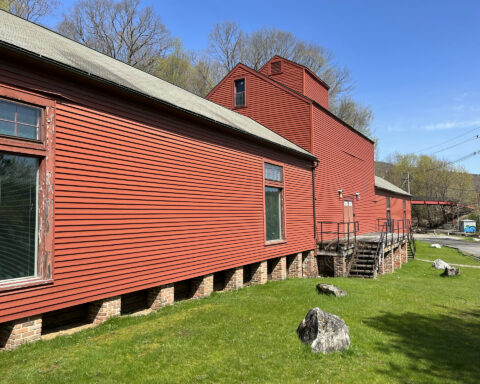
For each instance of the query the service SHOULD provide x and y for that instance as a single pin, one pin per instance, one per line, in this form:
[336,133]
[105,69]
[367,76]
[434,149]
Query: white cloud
[451,125]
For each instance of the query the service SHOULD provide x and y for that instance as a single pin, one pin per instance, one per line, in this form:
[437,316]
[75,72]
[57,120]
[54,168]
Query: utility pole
[408,182]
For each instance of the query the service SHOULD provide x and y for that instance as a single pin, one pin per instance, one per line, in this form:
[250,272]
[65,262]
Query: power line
[456,145]
[454,161]
[450,140]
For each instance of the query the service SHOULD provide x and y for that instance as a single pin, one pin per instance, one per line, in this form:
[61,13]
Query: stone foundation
[339,266]
[388,262]
[234,279]
[18,332]
[260,274]
[397,258]
[202,286]
[405,253]
[160,297]
[279,271]
[310,267]
[294,265]
[102,310]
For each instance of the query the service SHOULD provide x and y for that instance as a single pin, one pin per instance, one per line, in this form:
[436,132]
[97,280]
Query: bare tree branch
[121,29]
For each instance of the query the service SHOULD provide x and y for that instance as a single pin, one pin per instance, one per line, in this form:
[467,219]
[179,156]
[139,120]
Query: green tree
[434,179]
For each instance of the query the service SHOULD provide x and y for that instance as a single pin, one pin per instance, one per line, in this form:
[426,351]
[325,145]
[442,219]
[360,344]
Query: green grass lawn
[412,326]
[446,254]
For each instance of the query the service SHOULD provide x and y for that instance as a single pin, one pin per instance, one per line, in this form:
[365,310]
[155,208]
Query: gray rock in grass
[450,271]
[440,264]
[330,289]
[324,331]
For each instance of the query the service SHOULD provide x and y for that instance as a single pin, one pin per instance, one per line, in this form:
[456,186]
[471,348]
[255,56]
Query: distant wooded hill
[382,169]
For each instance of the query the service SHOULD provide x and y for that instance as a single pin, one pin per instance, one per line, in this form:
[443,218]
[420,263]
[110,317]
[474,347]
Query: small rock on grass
[324,331]
[450,271]
[330,289]
[435,246]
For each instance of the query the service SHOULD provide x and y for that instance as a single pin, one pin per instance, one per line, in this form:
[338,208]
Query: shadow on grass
[440,347]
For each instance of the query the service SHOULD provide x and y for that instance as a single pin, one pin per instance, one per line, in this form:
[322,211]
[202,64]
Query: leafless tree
[229,45]
[32,10]
[226,44]
[121,29]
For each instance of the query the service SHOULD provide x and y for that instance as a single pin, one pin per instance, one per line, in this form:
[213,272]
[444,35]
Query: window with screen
[239,92]
[18,216]
[274,202]
[19,120]
[19,191]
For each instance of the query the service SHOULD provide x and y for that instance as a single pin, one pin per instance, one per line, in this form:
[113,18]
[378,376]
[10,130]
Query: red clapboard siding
[144,198]
[291,75]
[268,103]
[314,90]
[396,205]
[346,163]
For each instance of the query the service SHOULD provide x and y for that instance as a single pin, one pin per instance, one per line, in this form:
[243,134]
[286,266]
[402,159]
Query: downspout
[314,200]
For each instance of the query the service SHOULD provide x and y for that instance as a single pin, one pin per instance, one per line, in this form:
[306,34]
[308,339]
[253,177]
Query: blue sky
[415,63]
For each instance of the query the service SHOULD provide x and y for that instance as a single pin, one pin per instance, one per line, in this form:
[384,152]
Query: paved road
[472,247]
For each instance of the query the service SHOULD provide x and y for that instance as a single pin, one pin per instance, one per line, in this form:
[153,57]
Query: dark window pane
[7,110]
[7,128]
[18,216]
[240,92]
[240,85]
[27,131]
[273,172]
[27,115]
[273,213]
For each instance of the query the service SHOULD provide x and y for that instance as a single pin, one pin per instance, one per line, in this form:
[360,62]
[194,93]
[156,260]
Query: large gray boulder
[330,289]
[440,264]
[324,331]
[450,271]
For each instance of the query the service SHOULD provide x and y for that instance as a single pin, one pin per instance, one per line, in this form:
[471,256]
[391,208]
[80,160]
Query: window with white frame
[274,202]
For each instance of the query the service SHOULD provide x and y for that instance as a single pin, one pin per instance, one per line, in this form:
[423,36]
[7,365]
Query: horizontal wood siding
[315,91]
[396,205]
[144,198]
[269,104]
[291,75]
[346,163]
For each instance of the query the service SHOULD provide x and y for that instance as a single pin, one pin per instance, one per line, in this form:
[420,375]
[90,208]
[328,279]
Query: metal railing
[393,231]
[336,233]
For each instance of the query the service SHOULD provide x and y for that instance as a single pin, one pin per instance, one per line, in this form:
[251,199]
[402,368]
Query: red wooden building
[120,191]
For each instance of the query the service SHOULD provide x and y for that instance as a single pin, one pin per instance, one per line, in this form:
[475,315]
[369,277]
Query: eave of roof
[12,27]
[381,183]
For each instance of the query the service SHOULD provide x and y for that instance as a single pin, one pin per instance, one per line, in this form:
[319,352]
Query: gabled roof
[314,75]
[292,92]
[43,44]
[387,186]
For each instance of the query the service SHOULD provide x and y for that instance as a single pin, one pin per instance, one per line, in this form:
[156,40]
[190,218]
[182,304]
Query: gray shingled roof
[42,42]
[384,184]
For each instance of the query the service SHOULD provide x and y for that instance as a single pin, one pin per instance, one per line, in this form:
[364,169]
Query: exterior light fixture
[358,195]
[340,193]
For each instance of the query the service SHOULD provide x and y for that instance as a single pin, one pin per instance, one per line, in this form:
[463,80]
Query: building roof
[293,92]
[386,185]
[42,43]
[313,74]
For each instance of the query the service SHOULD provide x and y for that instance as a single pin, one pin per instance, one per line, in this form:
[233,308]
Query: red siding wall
[316,91]
[396,205]
[270,105]
[144,198]
[291,75]
[346,163]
